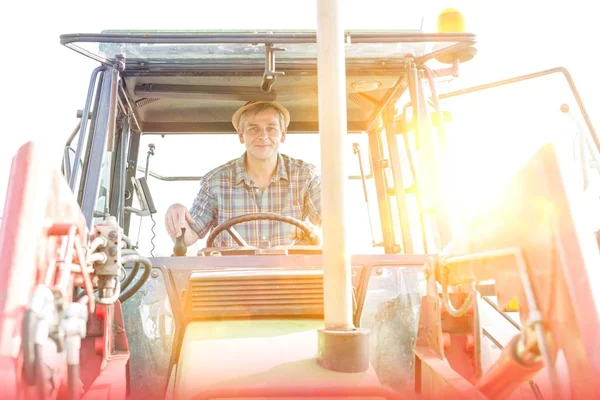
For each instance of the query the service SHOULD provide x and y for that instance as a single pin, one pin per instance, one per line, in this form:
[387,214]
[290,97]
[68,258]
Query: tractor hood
[256,354]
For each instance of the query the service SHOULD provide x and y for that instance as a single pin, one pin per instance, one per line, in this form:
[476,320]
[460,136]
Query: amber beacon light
[450,20]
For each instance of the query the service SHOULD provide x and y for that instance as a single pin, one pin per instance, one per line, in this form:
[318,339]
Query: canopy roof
[192,82]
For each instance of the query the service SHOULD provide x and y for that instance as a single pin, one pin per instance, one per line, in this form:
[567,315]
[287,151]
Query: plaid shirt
[227,191]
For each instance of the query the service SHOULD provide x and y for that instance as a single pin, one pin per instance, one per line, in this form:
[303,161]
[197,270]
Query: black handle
[180,248]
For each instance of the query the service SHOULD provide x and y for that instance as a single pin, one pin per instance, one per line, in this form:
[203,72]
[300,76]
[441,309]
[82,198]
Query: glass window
[493,132]
[150,332]
[103,192]
[194,155]
[391,312]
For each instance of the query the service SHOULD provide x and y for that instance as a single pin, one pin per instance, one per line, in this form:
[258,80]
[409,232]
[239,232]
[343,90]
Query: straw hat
[236,116]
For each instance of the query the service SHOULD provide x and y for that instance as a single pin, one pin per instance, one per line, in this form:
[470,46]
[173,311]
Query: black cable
[153,235]
[125,283]
[125,295]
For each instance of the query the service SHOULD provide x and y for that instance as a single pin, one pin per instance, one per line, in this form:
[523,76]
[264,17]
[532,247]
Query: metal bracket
[120,61]
[452,71]
[270,74]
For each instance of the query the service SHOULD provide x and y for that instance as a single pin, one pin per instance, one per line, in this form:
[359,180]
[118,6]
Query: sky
[45,83]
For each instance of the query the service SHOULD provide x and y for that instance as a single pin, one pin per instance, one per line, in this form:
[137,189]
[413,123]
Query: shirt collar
[242,175]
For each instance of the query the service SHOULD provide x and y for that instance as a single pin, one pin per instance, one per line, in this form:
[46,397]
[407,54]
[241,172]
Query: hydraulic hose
[127,281]
[130,276]
[125,295]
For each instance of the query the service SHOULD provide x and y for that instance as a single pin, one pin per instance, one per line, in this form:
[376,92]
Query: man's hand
[298,235]
[177,217]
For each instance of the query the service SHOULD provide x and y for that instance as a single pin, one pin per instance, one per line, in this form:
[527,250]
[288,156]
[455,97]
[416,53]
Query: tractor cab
[255,309]
[421,284]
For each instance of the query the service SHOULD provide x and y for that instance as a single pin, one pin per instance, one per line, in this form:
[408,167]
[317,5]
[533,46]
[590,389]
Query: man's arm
[312,201]
[197,221]
[176,218]
[203,213]
[312,212]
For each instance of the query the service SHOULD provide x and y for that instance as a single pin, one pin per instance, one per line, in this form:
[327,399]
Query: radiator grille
[238,294]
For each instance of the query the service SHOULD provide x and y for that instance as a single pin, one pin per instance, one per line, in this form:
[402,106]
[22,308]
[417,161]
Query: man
[261,180]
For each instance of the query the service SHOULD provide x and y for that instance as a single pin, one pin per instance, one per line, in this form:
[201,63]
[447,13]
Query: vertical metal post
[83,127]
[132,159]
[383,200]
[98,149]
[413,78]
[431,155]
[399,189]
[118,180]
[333,130]
[340,346]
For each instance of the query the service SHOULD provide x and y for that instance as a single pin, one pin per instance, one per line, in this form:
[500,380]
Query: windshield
[492,133]
[194,155]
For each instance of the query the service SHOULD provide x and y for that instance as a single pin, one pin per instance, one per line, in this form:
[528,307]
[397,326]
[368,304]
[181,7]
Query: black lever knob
[180,249]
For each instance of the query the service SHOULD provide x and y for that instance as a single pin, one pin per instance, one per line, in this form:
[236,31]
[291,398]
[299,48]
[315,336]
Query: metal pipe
[399,188]
[124,149]
[112,109]
[535,318]
[560,70]
[83,126]
[534,387]
[383,200]
[97,151]
[430,170]
[510,370]
[337,280]
[536,321]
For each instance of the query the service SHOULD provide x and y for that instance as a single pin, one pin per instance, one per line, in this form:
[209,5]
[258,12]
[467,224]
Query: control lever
[180,249]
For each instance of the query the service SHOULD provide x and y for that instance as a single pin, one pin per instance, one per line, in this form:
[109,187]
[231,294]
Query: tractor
[460,247]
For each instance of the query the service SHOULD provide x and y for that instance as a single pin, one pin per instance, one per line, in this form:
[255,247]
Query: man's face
[262,134]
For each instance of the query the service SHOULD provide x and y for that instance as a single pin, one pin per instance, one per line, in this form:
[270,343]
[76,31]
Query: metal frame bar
[391,97]
[90,136]
[221,68]
[83,126]
[283,38]
[132,161]
[71,40]
[118,177]
[383,200]
[97,151]
[559,70]
[399,188]
[333,128]
[437,220]
[159,128]
[412,78]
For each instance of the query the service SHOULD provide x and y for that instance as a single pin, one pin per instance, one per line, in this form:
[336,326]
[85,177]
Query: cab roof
[193,81]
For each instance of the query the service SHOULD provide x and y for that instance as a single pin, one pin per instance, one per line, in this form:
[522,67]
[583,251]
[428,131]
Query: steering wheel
[228,225]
